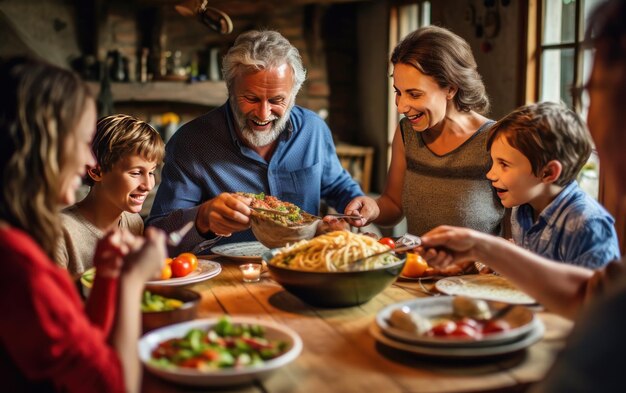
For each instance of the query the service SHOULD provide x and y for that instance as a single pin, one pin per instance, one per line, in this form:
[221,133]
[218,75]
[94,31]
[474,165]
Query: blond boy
[127,151]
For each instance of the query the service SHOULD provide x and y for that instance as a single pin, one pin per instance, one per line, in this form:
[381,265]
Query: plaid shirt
[573,228]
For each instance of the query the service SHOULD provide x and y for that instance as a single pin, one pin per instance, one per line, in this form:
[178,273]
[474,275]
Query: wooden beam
[532,54]
[220,3]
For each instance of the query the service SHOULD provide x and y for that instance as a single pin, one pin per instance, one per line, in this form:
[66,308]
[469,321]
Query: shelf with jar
[208,93]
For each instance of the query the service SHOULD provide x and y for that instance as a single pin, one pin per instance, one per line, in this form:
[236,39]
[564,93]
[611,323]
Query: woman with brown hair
[439,160]
[48,339]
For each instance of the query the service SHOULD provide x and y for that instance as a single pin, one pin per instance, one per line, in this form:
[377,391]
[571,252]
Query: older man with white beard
[259,141]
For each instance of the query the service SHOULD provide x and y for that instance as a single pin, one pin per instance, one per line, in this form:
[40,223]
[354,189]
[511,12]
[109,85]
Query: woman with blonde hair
[48,340]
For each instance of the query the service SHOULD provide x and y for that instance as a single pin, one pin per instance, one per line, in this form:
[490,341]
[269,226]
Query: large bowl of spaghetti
[322,271]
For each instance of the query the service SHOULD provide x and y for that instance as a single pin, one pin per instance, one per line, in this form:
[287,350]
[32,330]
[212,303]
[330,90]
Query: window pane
[588,177]
[413,16]
[557,75]
[409,18]
[587,64]
[589,6]
[559,21]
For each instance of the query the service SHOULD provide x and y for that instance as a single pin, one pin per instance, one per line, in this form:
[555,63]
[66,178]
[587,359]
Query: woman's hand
[363,206]
[330,224]
[109,254]
[147,255]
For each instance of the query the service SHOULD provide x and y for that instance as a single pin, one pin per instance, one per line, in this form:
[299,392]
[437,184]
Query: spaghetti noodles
[334,251]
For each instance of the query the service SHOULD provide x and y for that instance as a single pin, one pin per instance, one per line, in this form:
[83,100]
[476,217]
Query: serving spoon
[356,264]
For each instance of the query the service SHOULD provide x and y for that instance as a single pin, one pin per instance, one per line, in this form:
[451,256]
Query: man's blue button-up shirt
[205,158]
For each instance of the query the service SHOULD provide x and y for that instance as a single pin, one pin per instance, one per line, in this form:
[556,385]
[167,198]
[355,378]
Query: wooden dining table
[341,355]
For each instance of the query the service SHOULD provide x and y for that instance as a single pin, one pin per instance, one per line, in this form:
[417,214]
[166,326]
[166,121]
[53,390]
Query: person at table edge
[258,141]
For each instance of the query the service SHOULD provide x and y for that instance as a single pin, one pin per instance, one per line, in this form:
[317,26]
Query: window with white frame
[564,65]
[404,19]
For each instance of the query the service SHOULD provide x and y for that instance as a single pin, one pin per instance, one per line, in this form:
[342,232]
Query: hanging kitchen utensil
[208,16]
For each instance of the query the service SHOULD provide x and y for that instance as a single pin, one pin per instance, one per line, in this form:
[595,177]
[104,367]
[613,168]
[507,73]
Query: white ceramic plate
[222,377]
[206,269]
[519,318]
[242,250]
[525,341]
[484,286]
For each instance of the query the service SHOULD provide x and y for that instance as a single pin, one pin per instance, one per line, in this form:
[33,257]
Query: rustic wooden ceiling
[246,7]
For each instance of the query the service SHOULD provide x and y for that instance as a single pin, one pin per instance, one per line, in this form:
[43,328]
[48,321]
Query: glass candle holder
[251,272]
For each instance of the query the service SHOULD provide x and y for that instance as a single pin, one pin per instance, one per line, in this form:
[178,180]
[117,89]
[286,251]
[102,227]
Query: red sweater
[47,341]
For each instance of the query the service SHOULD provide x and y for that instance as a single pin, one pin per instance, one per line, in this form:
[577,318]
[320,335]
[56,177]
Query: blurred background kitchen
[159,60]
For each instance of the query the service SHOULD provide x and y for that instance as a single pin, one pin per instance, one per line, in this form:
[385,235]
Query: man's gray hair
[260,50]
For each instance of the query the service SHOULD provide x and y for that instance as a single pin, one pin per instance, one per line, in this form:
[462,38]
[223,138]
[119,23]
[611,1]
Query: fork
[281,213]
[340,215]
[174,238]
[426,290]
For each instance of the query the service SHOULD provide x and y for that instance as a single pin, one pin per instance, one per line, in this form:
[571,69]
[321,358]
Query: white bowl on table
[219,377]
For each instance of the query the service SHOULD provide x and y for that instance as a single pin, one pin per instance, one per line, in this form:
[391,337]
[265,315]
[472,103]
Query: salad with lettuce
[225,345]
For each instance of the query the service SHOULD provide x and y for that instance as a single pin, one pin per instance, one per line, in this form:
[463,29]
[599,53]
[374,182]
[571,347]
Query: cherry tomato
[496,326]
[465,331]
[180,267]
[166,272]
[387,241]
[193,260]
[466,321]
[443,329]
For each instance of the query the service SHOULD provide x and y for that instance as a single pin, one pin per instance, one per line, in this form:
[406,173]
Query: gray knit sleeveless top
[451,189]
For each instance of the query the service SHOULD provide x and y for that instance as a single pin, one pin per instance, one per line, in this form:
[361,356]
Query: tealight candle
[251,272]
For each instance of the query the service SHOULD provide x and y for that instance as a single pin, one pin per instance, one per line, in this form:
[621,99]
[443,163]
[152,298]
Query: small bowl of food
[459,321]
[276,223]
[329,270]
[166,305]
[161,305]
